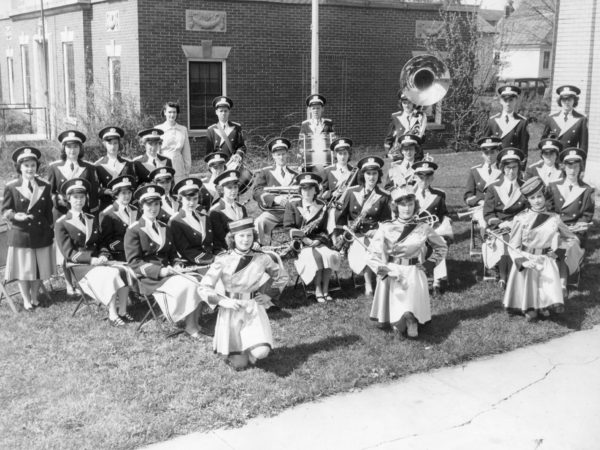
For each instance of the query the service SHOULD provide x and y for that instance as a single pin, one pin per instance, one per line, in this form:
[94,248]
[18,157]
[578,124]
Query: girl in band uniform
[226,209]
[27,207]
[567,125]
[547,167]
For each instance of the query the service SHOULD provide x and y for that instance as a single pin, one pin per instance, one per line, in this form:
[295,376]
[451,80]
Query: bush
[15,121]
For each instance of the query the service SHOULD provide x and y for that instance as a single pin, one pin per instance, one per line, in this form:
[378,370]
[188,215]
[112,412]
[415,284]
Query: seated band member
[503,200]
[226,209]
[547,167]
[192,229]
[112,165]
[408,120]
[27,208]
[573,200]
[534,285]
[152,255]
[115,218]
[71,165]
[225,136]
[481,176]
[567,125]
[432,202]
[78,240]
[272,204]
[307,216]
[401,172]
[168,203]
[242,332]
[365,206]
[150,141]
[507,125]
[337,178]
[216,163]
[397,253]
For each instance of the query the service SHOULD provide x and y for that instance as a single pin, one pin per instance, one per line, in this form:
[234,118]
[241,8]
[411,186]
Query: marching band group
[146,225]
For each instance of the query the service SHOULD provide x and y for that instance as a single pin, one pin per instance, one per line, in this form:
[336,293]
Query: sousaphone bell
[425,80]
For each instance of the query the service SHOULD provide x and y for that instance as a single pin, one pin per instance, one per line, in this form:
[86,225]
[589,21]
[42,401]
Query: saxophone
[348,235]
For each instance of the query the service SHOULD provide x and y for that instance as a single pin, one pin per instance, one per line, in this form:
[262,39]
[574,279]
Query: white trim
[69,114]
[67,35]
[10,68]
[25,67]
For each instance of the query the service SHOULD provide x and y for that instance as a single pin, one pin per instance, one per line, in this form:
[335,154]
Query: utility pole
[314,57]
[45,51]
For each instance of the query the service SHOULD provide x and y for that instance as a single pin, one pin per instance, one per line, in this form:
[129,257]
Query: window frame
[71,115]
[111,80]
[546,55]
[26,73]
[198,132]
[10,68]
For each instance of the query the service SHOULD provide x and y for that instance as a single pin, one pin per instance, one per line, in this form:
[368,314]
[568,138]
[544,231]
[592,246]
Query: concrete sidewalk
[545,396]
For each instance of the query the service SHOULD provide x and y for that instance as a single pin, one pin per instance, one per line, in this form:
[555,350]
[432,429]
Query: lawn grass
[78,383]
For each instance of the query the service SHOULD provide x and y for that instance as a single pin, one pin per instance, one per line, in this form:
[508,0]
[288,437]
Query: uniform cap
[122,182]
[546,145]
[424,167]
[410,139]
[572,154]
[341,143]
[111,132]
[307,179]
[531,186]
[71,136]
[216,158]
[568,90]
[279,143]
[510,154]
[369,163]
[240,225]
[222,101]
[151,134]
[401,193]
[161,173]
[148,192]
[489,142]
[76,185]
[508,90]
[186,185]
[26,153]
[315,99]
[227,176]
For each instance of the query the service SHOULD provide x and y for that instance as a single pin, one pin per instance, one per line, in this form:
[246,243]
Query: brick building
[255,51]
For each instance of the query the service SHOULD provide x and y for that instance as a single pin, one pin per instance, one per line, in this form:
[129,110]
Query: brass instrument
[579,227]
[289,191]
[338,195]
[246,175]
[425,80]
[295,245]
[469,212]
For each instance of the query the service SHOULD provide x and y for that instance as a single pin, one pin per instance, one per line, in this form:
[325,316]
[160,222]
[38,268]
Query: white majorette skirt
[100,282]
[177,297]
[242,330]
[393,299]
[312,259]
[28,264]
[358,255]
[532,289]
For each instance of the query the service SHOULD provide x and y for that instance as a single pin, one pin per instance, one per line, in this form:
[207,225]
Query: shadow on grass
[463,273]
[284,360]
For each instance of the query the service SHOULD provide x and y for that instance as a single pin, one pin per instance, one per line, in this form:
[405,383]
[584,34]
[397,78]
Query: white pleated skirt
[312,259]
[177,297]
[358,255]
[240,331]
[29,264]
[102,283]
[393,299]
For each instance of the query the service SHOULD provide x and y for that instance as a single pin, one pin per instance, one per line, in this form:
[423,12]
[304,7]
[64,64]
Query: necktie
[195,216]
[308,209]
[510,191]
[570,187]
[566,116]
[155,227]
[489,170]
[81,219]
[154,162]
[126,212]
[30,187]
[72,167]
[506,118]
[282,173]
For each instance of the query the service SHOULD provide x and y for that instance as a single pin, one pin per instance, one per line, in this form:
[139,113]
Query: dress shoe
[413,329]
[502,284]
[530,316]
[118,322]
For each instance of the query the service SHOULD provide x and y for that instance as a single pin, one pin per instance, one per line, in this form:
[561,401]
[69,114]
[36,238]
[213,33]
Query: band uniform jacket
[106,173]
[498,204]
[114,222]
[433,201]
[402,124]
[77,242]
[333,177]
[513,134]
[220,218]
[148,252]
[60,171]
[143,166]
[572,133]
[316,219]
[169,206]
[323,126]
[216,143]
[269,177]
[352,207]
[477,181]
[573,205]
[37,232]
[193,238]
[547,174]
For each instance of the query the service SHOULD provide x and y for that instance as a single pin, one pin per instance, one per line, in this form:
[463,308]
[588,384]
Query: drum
[316,154]
[246,175]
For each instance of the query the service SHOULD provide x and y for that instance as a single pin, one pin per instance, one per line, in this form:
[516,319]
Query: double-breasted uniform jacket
[498,204]
[414,123]
[114,221]
[107,172]
[296,216]
[571,133]
[220,217]
[37,232]
[478,179]
[352,207]
[433,201]
[400,173]
[60,171]
[309,127]
[333,177]
[143,165]
[547,174]
[574,204]
[147,252]
[513,134]
[270,177]
[217,139]
[193,238]
[77,242]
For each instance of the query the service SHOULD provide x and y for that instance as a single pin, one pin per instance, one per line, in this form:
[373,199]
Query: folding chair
[84,299]
[158,316]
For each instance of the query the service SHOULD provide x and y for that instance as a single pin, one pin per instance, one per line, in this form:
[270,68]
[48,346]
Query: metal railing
[32,120]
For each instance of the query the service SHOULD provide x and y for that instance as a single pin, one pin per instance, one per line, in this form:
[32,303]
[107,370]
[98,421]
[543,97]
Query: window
[26,74]
[114,78]
[206,80]
[69,75]
[11,80]
[546,60]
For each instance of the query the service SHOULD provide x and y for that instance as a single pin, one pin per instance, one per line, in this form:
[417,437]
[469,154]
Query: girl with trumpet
[307,217]
[397,253]
[152,255]
[364,207]
[536,238]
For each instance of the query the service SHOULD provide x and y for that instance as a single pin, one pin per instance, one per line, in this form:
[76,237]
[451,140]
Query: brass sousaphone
[425,80]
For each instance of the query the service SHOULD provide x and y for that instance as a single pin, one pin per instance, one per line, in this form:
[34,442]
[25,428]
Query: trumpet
[340,191]
[293,189]
[284,250]
[579,227]
[469,212]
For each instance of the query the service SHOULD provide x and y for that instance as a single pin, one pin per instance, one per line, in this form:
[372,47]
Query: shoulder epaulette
[236,124]
[99,159]
[61,218]
[133,224]
[15,181]
[495,115]
[42,179]
[55,163]
[397,114]
[327,121]
[435,190]
[521,117]
[107,209]
[137,158]
[477,166]
[535,164]
[88,215]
